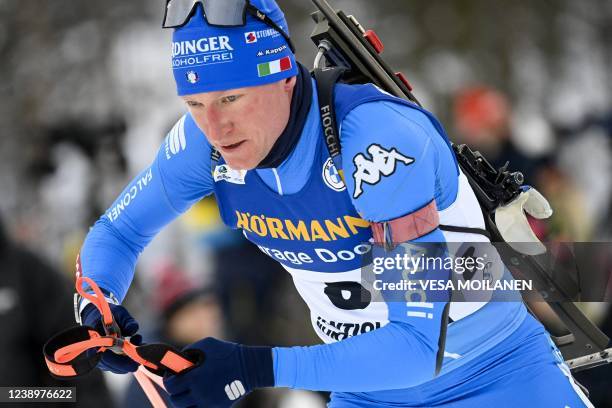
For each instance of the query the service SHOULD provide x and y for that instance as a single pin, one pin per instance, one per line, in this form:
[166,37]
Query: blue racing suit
[315,220]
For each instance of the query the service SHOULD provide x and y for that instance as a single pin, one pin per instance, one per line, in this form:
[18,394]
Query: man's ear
[290,83]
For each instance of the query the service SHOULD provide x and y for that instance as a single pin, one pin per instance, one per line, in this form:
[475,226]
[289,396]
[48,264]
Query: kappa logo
[332,177]
[271,51]
[381,163]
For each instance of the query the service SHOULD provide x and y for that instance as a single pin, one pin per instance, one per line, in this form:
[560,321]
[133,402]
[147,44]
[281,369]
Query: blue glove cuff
[90,316]
[258,366]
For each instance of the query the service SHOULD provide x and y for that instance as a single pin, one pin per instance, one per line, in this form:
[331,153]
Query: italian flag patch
[274,67]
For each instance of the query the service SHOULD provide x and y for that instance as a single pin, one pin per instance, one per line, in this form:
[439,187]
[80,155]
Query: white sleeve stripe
[420,314]
[426,305]
[176,137]
[173,140]
[567,373]
[182,133]
[278,182]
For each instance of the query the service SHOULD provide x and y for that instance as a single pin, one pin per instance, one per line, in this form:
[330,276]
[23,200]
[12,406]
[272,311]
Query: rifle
[344,43]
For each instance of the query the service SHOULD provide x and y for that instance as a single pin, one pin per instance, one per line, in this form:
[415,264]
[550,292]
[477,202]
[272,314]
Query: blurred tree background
[86,76]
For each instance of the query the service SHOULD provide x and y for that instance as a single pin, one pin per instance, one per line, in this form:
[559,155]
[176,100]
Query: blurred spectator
[35,304]
[482,116]
[186,313]
[585,154]
[568,222]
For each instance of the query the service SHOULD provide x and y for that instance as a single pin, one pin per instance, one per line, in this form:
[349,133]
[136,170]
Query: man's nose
[218,124]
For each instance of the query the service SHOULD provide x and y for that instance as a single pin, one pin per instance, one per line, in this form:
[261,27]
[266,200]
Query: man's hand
[127,324]
[226,372]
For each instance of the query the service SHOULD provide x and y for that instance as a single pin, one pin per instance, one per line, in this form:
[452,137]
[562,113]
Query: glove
[225,373]
[513,225]
[110,361]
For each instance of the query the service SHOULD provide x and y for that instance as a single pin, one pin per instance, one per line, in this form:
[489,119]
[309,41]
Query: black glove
[110,361]
[226,372]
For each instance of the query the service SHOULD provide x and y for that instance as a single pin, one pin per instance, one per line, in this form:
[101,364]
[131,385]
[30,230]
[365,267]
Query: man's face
[244,123]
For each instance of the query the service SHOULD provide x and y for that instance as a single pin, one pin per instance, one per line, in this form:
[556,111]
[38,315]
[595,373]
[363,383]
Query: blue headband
[206,58]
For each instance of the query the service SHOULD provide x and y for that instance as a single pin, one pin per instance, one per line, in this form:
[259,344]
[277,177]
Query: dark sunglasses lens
[177,12]
[226,13]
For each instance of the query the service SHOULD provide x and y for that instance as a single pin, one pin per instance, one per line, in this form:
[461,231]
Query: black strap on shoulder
[326,79]
[468,230]
[444,321]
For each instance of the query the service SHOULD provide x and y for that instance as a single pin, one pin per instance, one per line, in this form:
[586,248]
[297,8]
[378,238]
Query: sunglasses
[218,13]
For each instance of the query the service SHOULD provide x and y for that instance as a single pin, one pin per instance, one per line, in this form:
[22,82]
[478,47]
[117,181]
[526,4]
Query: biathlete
[253,137]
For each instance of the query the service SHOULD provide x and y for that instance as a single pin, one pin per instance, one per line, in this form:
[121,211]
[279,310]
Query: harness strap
[452,228]
[326,85]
